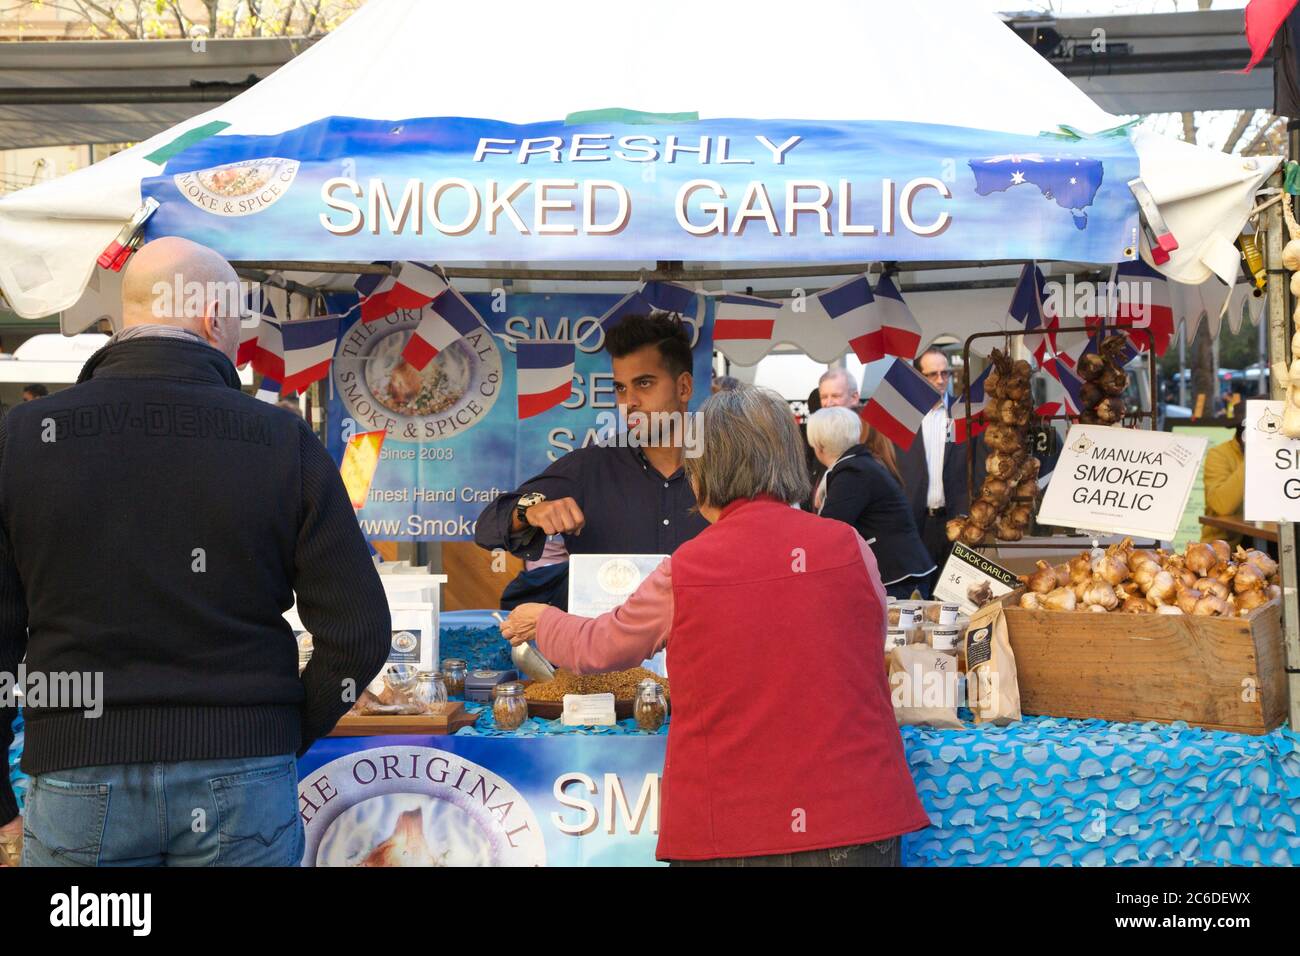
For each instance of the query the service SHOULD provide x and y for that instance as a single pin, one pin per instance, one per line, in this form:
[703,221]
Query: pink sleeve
[873,572]
[618,639]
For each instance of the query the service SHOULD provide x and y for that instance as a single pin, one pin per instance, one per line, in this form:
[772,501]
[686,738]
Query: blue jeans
[232,812]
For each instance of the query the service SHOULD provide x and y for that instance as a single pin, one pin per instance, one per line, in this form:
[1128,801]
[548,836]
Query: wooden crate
[1218,673]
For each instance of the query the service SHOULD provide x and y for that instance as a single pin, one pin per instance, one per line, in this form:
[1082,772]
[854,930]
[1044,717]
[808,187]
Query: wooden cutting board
[448,719]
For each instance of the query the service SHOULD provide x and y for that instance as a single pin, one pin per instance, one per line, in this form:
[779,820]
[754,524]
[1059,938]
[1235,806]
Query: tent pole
[1279,341]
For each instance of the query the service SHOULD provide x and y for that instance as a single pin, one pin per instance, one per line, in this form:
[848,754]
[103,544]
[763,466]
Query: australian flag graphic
[1070,181]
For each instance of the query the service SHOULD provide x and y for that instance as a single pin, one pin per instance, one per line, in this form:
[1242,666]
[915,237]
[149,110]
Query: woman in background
[864,489]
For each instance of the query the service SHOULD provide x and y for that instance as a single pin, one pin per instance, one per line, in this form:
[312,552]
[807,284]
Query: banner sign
[1272,465]
[454,437]
[1122,481]
[566,800]
[428,189]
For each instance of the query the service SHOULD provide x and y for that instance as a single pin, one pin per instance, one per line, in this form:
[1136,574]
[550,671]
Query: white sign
[972,580]
[1272,465]
[601,582]
[1123,481]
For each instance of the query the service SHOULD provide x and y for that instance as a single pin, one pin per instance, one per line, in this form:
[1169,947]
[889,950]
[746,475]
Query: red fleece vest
[782,736]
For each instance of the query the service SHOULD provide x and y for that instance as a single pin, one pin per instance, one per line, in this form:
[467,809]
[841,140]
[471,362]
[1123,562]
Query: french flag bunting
[900,401]
[850,306]
[1142,301]
[666,296]
[447,319]
[268,352]
[257,309]
[900,333]
[543,375]
[1026,309]
[744,318]
[268,391]
[308,350]
[967,422]
[413,287]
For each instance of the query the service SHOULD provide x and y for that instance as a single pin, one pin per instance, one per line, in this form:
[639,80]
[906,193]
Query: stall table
[1266,530]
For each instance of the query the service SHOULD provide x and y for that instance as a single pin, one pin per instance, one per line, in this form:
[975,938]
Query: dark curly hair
[661,329]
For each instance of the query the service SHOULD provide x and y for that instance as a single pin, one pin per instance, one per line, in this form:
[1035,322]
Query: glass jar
[509,707]
[453,674]
[430,690]
[651,709]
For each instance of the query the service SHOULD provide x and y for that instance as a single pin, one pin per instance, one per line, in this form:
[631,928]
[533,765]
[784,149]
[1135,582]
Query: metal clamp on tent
[1159,236]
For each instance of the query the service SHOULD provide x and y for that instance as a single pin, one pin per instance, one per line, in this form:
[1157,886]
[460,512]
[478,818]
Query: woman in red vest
[782,747]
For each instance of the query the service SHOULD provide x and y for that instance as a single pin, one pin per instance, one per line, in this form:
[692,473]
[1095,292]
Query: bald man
[155,528]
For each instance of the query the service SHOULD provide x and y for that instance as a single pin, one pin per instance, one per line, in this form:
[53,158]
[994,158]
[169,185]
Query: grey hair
[751,447]
[834,429]
[837,373]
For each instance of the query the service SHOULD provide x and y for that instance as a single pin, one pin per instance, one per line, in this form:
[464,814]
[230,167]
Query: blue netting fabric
[1050,791]
[16,776]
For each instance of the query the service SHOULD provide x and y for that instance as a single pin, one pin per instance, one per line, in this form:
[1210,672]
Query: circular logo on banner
[415,806]
[238,189]
[382,390]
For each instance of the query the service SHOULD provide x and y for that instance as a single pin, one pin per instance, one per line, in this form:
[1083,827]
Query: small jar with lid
[509,707]
[651,708]
[430,690]
[453,674]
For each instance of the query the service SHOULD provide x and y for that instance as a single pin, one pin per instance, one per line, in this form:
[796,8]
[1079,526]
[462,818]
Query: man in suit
[934,467]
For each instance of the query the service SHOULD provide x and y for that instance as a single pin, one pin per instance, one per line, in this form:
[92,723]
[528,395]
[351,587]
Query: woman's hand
[521,625]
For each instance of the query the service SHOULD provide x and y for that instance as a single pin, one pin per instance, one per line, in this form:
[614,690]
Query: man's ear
[685,387]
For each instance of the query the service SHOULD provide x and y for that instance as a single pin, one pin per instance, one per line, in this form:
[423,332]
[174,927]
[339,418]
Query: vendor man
[616,497]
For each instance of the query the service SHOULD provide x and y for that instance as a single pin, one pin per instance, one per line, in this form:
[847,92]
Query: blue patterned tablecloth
[1049,791]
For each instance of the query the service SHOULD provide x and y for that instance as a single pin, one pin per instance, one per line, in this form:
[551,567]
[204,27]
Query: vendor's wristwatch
[527,501]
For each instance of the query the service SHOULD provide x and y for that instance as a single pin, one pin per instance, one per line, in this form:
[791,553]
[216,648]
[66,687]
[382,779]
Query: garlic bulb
[996,490]
[972,534]
[1027,489]
[1113,381]
[1274,592]
[1006,529]
[1186,598]
[1028,469]
[1225,572]
[1029,600]
[1222,550]
[1135,605]
[1138,556]
[1248,578]
[1161,589]
[1000,465]
[1090,365]
[1258,558]
[1111,410]
[1062,599]
[1110,568]
[1145,573]
[1211,605]
[1249,600]
[1213,586]
[1200,558]
[1080,569]
[1043,578]
[982,513]
[1099,592]
[1062,574]
[953,528]
[1169,609]
[1097,608]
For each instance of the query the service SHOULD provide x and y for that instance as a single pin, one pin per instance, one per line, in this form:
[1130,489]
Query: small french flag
[268,391]
[744,318]
[666,296]
[1135,285]
[268,351]
[967,422]
[900,402]
[900,333]
[412,286]
[849,305]
[1070,381]
[447,319]
[543,375]
[1026,309]
[257,309]
[308,350]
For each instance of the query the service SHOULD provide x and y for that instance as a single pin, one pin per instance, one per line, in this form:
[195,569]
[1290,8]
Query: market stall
[332,186]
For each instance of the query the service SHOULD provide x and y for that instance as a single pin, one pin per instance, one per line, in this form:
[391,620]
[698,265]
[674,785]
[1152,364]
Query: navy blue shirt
[629,507]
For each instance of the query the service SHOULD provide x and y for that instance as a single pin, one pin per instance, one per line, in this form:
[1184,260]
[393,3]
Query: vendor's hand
[561,516]
[521,625]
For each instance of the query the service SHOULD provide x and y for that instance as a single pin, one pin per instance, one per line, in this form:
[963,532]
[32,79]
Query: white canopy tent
[825,59]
